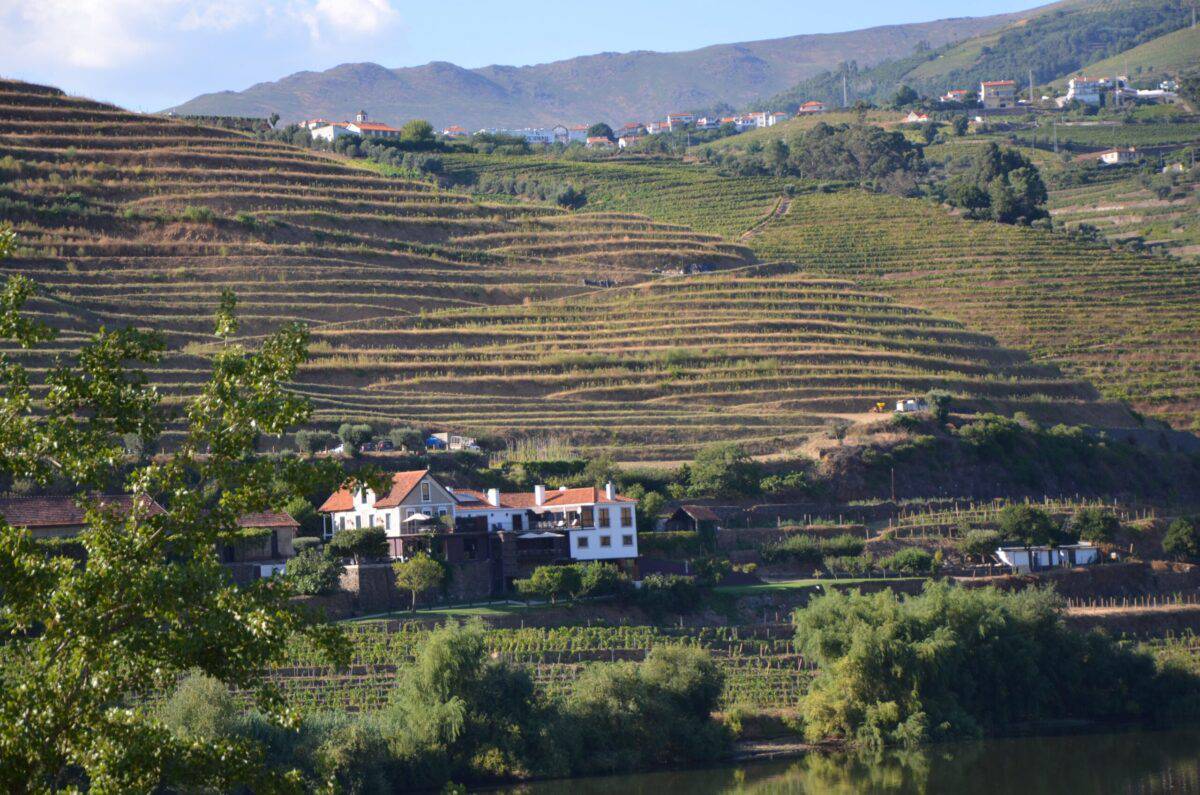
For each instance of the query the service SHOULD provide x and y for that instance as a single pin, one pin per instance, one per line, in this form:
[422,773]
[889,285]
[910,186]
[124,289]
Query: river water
[1126,762]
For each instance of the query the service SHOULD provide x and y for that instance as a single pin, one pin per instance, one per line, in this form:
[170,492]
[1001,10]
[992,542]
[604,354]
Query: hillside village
[367,455]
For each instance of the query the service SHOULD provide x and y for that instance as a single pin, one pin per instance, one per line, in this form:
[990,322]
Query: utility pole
[845,92]
[1031,87]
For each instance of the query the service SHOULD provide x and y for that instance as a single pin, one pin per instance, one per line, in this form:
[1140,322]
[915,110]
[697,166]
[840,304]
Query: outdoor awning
[540,535]
[416,517]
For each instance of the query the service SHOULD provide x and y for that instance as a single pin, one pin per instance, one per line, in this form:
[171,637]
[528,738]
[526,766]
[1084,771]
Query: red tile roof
[999,83]
[340,500]
[402,484]
[524,500]
[267,519]
[372,125]
[61,511]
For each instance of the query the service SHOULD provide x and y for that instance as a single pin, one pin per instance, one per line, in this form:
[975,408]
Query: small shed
[1081,554]
[693,518]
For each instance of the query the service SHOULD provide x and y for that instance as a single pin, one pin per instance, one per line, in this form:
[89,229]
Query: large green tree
[80,644]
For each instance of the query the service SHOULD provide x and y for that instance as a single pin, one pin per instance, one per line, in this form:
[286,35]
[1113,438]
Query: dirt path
[781,209]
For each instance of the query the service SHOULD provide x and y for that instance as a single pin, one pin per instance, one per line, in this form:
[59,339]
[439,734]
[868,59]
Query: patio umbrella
[416,517]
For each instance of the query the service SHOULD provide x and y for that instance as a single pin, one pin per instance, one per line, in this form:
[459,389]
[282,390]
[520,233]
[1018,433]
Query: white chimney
[539,495]
[610,491]
[494,497]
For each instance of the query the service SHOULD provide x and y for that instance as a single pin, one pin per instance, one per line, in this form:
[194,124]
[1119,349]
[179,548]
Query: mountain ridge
[617,87]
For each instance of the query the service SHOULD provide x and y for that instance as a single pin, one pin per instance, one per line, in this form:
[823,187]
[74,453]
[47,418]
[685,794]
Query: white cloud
[108,34]
[356,17]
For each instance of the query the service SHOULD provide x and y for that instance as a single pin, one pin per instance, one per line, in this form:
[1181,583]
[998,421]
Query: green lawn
[792,585]
[464,611]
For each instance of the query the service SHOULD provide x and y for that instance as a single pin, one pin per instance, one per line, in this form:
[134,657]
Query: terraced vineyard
[140,217]
[440,309]
[761,354]
[761,664]
[1125,322]
[666,191]
[1122,209]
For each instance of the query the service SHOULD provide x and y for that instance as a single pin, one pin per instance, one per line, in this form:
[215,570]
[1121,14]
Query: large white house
[599,524]
[585,523]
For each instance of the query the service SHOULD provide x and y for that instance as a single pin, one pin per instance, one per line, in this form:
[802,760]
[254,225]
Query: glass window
[627,540]
[581,542]
[426,494]
[585,516]
[357,521]
[626,517]
[387,521]
[603,514]
[606,541]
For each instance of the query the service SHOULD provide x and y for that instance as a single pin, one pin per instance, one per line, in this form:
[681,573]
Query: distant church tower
[361,117]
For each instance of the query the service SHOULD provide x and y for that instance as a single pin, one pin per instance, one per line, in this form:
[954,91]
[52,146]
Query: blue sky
[150,54]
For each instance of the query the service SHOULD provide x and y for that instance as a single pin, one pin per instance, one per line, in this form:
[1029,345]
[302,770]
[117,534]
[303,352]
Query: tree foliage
[152,601]
[359,544]
[418,574]
[313,572]
[1028,525]
[957,662]
[1003,185]
[1182,539]
[723,469]
[1094,524]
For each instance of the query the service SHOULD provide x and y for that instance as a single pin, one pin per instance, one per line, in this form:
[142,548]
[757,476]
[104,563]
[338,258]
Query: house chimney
[610,491]
[494,497]
[539,495]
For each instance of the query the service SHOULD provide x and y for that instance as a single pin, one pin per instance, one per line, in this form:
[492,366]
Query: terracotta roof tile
[59,510]
[267,519]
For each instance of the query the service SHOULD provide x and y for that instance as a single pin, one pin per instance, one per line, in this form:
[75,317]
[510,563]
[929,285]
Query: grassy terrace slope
[1121,208]
[141,217]
[759,354]
[1129,324]
[437,308]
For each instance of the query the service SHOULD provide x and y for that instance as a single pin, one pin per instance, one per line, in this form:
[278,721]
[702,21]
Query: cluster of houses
[634,131]
[1098,91]
[265,552]
[502,535]
[490,537]
[1094,91]
[326,130]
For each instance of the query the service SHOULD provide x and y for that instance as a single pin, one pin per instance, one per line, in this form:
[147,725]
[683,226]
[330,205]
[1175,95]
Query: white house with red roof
[371,129]
[331,131]
[581,523]
[599,524]
[812,106]
[416,499]
[955,95]
[454,131]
